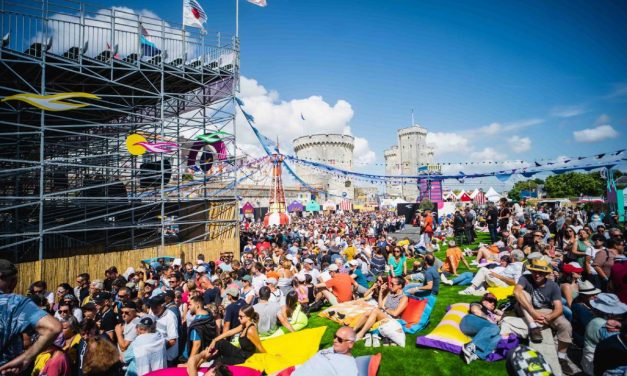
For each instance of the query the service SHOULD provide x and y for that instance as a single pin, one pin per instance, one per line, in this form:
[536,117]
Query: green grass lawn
[412,360]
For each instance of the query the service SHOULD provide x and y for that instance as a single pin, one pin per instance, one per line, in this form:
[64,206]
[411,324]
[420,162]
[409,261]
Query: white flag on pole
[193,14]
[261,3]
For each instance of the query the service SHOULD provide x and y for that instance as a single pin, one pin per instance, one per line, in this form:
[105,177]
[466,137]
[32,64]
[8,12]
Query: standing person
[148,352]
[20,315]
[428,228]
[469,225]
[504,214]
[540,303]
[126,332]
[167,326]
[492,219]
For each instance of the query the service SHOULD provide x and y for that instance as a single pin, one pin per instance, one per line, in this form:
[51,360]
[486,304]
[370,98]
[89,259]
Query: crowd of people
[567,268]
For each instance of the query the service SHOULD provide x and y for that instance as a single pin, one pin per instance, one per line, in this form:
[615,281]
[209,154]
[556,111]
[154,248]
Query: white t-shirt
[258,282]
[314,273]
[167,327]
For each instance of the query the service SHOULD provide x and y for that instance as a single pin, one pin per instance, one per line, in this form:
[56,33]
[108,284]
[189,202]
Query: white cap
[300,277]
[271,281]
[353,262]
[176,262]
[289,257]
[308,261]
[201,269]
[333,268]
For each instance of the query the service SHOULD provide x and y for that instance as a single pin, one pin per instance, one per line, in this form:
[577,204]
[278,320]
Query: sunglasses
[341,340]
[126,312]
[64,311]
[490,300]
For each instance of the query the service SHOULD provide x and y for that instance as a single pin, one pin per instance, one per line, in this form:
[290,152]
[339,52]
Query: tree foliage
[574,184]
[426,204]
[519,186]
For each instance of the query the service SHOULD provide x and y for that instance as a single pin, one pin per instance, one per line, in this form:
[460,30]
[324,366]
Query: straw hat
[540,265]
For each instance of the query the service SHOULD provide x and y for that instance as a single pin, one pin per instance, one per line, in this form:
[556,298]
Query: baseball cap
[300,277]
[247,278]
[112,269]
[129,304]
[309,261]
[147,322]
[289,257]
[101,297]
[169,293]
[233,292]
[7,268]
[271,280]
[353,263]
[201,269]
[156,300]
[151,282]
[333,268]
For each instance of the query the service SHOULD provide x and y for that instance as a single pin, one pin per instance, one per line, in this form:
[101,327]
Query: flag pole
[236,18]
[183,36]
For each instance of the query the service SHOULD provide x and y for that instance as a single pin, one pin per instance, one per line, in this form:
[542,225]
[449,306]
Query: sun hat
[587,288]
[609,303]
[539,265]
[572,267]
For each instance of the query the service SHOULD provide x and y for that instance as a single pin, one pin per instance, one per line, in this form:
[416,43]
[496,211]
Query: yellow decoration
[288,350]
[53,102]
[131,144]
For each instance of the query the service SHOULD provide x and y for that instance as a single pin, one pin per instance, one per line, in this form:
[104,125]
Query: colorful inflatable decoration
[137,144]
[53,102]
[209,148]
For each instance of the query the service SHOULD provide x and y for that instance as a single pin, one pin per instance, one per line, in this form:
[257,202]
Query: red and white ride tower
[277,211]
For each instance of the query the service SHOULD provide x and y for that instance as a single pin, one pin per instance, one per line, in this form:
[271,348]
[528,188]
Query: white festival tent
[474,193]
[492,195]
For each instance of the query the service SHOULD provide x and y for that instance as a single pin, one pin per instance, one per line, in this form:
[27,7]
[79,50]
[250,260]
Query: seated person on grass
[449,269]
[291,316]
[390,306]
[432,280]
[481,324]
[506,274]
[340,285]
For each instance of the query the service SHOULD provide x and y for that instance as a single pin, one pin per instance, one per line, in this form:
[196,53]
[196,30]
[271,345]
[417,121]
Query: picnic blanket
[347,313]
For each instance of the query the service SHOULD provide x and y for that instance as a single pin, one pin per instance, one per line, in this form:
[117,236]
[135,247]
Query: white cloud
[493,128]
[287,120]
[487,154]
[519,144]
[568,111]
[448,143]
[600,133]
[362,155]
[618,90]
[498,128]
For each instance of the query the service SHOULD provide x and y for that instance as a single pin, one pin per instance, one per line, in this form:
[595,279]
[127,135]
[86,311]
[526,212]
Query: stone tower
[332,149]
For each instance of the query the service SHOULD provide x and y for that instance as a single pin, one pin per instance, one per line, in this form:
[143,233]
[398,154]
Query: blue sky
[490,79]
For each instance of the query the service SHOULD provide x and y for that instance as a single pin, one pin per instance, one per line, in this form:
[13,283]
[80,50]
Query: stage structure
[117,131]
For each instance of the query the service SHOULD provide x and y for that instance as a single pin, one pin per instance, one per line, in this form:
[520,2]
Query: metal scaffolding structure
[117,131]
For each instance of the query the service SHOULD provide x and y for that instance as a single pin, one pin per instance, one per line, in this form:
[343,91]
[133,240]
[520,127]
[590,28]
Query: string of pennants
[566,165]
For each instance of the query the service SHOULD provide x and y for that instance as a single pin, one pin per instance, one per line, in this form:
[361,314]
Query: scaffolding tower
[117,131]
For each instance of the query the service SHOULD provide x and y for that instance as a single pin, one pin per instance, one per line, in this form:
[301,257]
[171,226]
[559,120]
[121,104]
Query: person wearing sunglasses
[126,332]
[481,324]
[334,361]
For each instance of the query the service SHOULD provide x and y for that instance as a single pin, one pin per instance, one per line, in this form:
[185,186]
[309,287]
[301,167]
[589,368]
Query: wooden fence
[59,270]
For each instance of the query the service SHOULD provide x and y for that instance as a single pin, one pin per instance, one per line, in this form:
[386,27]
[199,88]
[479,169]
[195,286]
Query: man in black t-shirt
[492,219]
[231,314]
[540,304]
[106,318]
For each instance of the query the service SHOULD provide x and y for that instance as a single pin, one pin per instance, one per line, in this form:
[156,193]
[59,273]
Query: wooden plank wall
[60,270]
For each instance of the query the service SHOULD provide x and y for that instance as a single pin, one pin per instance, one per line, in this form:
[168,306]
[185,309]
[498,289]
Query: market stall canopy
[276,219]
[295,206]
[346,205]
[464,197]
[248,208]
[492,195]
[312,206]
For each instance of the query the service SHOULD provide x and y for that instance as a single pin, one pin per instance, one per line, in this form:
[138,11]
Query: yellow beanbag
[502,292]
[447,335]
[287,350]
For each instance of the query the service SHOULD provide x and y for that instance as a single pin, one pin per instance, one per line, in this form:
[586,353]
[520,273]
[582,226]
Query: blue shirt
[18,314]
[431,274]
[360,279]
